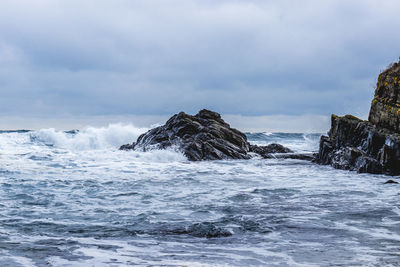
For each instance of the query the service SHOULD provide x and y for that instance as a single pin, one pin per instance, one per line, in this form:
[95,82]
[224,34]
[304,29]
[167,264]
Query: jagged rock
[354,144]
[368,146]
[205,136]
[128,146]
[385,107]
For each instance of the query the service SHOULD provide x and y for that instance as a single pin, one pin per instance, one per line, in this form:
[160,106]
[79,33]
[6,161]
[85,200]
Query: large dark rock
[205,136]
[371,146]
[354,144]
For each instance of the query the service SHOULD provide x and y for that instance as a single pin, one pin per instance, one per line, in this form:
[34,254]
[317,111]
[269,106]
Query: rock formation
[371,146]
[205,136]
[385,107]
[265,151]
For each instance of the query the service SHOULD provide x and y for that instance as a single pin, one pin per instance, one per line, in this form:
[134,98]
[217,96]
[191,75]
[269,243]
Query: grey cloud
[160,57]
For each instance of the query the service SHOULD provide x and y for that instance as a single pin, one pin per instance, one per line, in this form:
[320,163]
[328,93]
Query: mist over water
[73,199]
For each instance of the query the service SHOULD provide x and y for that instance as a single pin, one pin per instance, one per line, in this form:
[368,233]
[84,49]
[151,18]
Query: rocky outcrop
[265,151]
[354,144]
[368,146]
[385,107]
[128,146]
[205,136]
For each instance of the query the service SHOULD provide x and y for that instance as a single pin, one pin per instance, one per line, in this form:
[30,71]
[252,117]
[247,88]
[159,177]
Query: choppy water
[73,199]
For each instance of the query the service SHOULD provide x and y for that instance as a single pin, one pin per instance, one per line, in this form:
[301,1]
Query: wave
[266,136]
[14,131]
[63,148]
[299,142]
[112,136]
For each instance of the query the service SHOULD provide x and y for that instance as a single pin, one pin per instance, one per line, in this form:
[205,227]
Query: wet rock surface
[267,150]
[128,146]
[353,144]
[300,156]
[371,146]
[205,136]
[277,151]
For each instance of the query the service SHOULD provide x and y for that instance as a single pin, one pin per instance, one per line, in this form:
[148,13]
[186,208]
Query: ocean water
[73,199]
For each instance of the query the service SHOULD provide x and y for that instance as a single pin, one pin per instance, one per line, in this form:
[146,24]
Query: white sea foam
[27,152]
[114,135]
[80,201]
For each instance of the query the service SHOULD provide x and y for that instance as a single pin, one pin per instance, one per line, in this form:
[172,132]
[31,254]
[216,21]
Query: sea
[73,199]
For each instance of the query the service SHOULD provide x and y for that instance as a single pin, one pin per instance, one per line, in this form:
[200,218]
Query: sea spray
[74,199]
[89,138]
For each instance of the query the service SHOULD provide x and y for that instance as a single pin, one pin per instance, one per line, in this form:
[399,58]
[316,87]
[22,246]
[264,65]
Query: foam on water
[89,138]
[74,199]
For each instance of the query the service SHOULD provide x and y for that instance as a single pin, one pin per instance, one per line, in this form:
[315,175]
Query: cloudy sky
[281,62]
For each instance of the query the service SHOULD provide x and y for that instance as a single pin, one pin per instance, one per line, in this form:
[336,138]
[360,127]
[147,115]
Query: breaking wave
[112,136]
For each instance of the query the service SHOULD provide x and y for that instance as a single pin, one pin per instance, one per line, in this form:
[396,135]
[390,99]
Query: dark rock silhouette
[128,146]
[300,156]
[277,151]
[202,137]
[205,136]
[368,146]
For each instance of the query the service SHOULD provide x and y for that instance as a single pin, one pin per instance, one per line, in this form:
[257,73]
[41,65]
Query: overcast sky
[251,58]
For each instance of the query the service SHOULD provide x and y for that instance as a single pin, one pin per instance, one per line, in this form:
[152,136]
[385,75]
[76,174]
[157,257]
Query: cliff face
[371,146]
[354,144]
[385,107]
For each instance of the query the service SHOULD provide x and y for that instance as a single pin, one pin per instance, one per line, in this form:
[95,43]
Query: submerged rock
[205,136]
[277,151]
[208,230]
[368,146]
[301,156]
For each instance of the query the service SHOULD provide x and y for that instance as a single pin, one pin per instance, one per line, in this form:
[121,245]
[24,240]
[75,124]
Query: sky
[266,65]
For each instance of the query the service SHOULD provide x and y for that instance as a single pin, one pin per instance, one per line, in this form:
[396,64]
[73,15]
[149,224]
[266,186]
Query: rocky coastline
[371,146]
